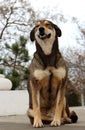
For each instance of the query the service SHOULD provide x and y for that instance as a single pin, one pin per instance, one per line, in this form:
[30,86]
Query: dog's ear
[58,30]
[32,34]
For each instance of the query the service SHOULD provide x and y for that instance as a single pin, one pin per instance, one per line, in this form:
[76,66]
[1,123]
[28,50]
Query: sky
[69,8]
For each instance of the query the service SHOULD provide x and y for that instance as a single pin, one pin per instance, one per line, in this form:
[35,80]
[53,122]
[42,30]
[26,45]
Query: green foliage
[0,59]
[23,41]
[15,48]
[7,46]
[73,98]
[15,79]
[25,57]
[15,82]
[14,73]
[19,50]
[1,70]
[26,73]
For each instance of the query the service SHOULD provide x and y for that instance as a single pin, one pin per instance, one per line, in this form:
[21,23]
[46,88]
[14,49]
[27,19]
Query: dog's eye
[47,24]
[37,25]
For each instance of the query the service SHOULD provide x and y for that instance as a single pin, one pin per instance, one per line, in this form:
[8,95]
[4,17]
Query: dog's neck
[51,59]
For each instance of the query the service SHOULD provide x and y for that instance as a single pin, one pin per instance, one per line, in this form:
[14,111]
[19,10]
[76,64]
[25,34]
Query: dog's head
[45,29]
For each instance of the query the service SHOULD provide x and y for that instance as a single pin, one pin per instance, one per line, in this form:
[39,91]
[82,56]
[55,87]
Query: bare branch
[7,22]
[18,23]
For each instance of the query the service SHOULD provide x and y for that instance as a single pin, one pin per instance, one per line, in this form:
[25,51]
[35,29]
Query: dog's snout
[41,29]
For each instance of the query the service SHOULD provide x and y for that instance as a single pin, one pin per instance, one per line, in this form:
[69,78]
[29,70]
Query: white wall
[13,102]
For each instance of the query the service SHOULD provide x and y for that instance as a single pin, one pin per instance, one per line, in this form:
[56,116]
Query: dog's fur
[48,77]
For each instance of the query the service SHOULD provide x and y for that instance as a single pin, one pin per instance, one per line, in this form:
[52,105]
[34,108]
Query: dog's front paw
[56,123]
[38,123]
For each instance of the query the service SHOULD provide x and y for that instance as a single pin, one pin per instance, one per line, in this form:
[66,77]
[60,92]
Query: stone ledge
[13,102]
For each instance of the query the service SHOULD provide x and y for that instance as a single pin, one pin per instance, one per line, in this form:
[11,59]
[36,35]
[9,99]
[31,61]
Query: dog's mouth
[44,36]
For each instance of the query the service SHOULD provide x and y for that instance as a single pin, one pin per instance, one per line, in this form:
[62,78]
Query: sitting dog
[48,78]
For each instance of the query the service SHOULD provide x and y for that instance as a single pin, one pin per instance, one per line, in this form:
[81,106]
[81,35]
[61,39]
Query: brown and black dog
[48,78]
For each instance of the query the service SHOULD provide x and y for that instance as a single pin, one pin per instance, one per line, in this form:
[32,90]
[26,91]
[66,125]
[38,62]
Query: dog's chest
[47,98]
[49,92]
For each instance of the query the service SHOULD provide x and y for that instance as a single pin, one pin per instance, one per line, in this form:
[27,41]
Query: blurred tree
[16,17]
[76,71]
[17,59]
[1,71]
[75,58]
[17,54]
[72,95]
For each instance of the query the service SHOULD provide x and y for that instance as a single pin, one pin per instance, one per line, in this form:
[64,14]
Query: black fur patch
[73,117]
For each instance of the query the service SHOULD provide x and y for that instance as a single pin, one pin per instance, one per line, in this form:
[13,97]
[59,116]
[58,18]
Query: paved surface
[22,122]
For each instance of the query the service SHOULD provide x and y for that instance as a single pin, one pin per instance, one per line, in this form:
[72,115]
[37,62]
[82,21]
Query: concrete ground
[22,122]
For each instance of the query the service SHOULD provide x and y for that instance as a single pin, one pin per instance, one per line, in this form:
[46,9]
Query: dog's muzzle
[42,34]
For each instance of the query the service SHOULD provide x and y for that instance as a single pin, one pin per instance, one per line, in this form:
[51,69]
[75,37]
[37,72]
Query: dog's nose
[41,30]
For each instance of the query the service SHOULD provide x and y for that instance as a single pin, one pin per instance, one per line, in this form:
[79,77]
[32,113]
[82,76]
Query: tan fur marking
[46,22]
[40,74]
[60,72]
[38,24]
[38,98]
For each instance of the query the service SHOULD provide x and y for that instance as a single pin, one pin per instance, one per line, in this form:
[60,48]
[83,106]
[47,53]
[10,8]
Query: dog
[48,78]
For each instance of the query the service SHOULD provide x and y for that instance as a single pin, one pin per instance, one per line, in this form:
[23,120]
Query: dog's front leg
[58,82]
[40,79]
[36,107]
[58,109]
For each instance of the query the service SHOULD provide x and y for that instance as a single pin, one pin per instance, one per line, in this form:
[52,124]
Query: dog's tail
[71,114]
[73,117]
